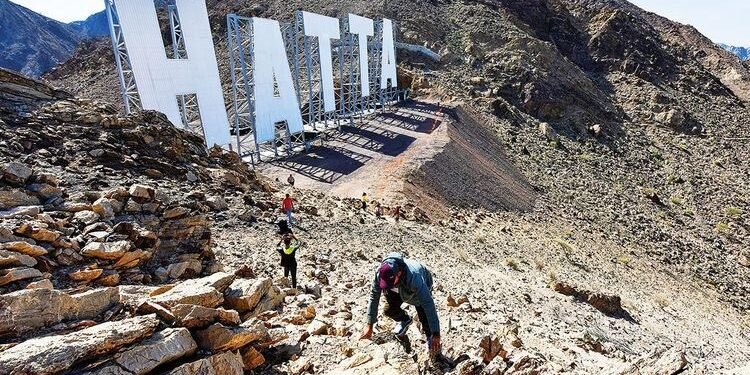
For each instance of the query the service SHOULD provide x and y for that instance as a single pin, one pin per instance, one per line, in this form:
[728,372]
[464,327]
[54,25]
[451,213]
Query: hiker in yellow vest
[287,248]
[364,201]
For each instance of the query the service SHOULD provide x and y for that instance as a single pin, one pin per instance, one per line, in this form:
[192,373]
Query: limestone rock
[220,364]
[16,173]
[244,294]
[41,284]
[218,337]
[55,354]
[107,250]
[205,292]
[24,247]
[142,193]
[252,359]
[273,298]
[86,217]
[132,259]
[20,212]
[38,233]
[85,275]
[217,203]
[14,259]
[103,207]
[188,268]
[15,197]
[491,348]
[17,274]
[29,309]
[194,316]
[318,327]
[163,347]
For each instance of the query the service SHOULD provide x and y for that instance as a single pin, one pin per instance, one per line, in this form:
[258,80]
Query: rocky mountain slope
[95,26]
[630,130]
[644,114]
[126,247]
[31,43]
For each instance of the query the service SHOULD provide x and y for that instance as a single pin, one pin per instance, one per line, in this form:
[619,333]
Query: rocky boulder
[228,363]
[218,337]
[26,310]
[57,354]
[163,347]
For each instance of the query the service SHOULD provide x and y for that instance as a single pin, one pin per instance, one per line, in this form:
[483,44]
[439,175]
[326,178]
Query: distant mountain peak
[742,52]
[31,43]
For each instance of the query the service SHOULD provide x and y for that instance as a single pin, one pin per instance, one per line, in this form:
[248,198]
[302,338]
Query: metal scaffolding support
[306,71]
[130,97]
[351,102]
[188,104]
[240,37]
[239,32]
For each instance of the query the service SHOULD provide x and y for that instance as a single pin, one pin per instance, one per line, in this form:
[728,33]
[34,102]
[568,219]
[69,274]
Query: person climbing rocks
[364,201]
[284,228]
[287,248]
[397,213]
[287,206]
[404,280]
[378,210]
[290,180]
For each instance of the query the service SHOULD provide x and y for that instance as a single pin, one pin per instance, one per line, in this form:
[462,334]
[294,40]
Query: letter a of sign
[275,96]
[160,80]
[388,63]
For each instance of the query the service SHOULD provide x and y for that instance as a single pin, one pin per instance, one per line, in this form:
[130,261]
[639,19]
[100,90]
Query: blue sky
[64,10]
[724,21]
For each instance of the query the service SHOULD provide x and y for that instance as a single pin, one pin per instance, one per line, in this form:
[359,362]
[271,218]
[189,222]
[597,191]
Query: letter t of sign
[362,27]
[160,80]
[325,29]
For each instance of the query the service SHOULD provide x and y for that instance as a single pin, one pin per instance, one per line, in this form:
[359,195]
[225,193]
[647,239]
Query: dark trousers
[394,311]
[292,268]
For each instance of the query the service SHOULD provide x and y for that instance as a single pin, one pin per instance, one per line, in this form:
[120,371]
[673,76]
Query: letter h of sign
[163,82]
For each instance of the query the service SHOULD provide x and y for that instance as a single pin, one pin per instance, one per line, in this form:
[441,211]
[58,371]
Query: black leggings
[394,311]
[293,269]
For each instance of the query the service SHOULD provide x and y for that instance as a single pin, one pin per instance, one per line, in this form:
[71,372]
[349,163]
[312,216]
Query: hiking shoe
[401,327]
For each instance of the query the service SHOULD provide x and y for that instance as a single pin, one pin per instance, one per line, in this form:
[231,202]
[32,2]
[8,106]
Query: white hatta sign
[160,80]
[272,86]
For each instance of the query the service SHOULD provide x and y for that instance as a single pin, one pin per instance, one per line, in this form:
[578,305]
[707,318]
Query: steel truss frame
[241,48]
[187,104]
[303,55]
[306,72]
[351,102]
[130,97]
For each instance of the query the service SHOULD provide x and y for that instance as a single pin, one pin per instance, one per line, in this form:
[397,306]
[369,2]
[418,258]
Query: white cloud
[64,10]
[723,21]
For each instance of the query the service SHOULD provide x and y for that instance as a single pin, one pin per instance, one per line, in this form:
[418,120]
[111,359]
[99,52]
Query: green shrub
[722,228]
[733,212]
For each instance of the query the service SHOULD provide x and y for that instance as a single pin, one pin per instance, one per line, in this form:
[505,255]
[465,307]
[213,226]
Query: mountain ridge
[742,52]
[32,43]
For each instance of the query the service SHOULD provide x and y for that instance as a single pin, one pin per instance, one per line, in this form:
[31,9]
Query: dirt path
[375,156]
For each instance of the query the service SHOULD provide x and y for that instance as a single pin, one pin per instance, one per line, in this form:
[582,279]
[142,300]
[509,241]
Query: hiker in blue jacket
[404,280]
